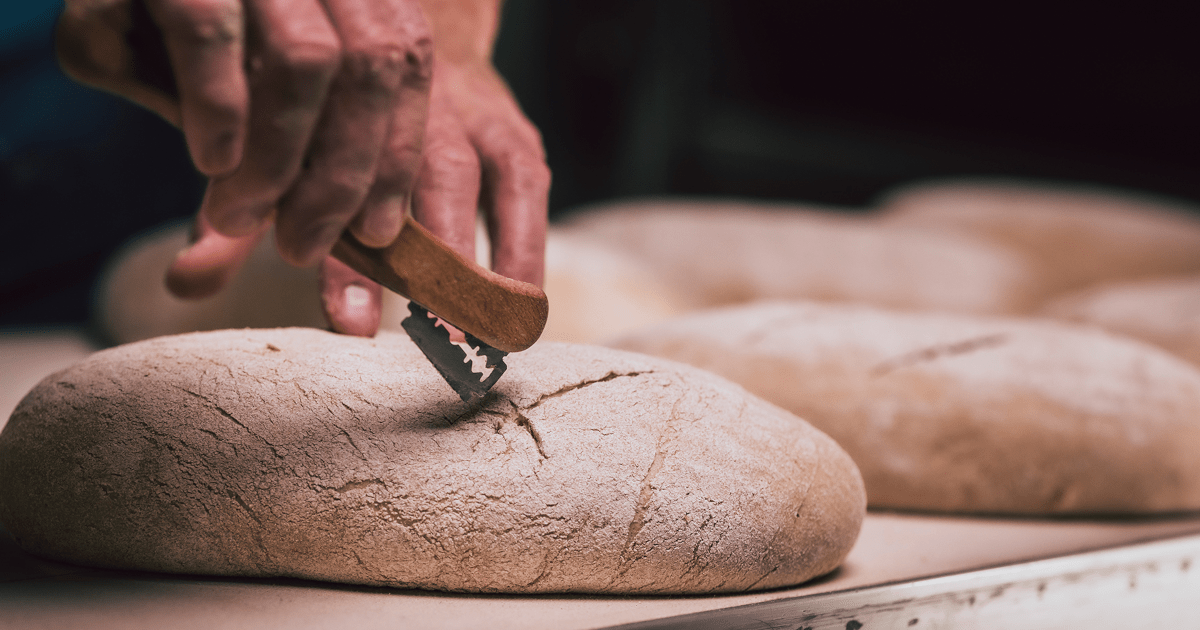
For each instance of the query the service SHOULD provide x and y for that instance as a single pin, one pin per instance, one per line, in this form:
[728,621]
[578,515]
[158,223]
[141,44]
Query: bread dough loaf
[1161,311]
[725,252]
[301,453]
[133,303]
[1075,237]
[966,414]
[597,292]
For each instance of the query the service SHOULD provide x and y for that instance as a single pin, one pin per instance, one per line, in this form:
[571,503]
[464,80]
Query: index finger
[210,262]
[205,41]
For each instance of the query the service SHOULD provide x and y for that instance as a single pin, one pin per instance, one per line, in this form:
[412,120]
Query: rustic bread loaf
[300,453]
[597,292]
[724,252]
[1075,237]
[133,303]
[966,414]
[1161,311]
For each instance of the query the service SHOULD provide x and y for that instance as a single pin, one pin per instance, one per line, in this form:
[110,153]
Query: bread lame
[497,315]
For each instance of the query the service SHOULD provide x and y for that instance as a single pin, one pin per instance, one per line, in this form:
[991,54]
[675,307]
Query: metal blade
[467,373]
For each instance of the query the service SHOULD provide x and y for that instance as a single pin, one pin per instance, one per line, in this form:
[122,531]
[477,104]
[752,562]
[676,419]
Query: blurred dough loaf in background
[1075,236]
[133,303]
[726,251]
[1161,311]
[962,413]
[981,248]
[595,292]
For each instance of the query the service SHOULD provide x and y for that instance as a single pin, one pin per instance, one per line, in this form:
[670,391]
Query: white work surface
[906,571]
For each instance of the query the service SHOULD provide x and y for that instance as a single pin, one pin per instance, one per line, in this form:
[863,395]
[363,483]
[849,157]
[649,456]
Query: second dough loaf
[966,414]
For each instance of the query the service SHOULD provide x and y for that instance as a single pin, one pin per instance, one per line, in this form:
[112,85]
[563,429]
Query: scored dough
[966,414]
[296,452]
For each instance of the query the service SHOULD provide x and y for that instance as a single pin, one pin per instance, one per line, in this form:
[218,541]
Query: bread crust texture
[955,413]
[300,453]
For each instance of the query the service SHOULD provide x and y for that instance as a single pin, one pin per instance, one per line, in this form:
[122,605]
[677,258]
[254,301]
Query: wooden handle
[506,314]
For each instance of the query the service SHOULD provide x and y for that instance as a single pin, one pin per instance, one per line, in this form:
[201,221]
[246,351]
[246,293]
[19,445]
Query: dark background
[811,100]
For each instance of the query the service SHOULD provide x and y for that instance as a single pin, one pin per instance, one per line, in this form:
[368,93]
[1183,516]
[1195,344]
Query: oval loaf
[727,252]
[1073,237]
[599,292]
[966,414]
[133,303]
[1161,311]
[295,452]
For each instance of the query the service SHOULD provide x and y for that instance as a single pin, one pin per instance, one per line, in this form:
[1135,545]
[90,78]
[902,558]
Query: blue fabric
[25,23]
[80,172]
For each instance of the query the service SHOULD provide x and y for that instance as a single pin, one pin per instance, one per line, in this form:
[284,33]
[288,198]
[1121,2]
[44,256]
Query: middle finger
[384,77]
[292,54]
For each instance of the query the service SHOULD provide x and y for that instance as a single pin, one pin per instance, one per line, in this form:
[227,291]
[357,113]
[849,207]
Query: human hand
[476,130]
[480,151]
[285,105]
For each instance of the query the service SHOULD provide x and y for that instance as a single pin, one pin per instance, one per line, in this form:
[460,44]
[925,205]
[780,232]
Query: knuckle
[510,135]
[452,157]
[529,138]
[535,140]
[417,45]
[418,60]
[374,70]
[344,189]
[304,59]
[525,172]
[202,22]
[381,65]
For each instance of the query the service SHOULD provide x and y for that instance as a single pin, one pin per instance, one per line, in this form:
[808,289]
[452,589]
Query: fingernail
[356,297]
[357,314]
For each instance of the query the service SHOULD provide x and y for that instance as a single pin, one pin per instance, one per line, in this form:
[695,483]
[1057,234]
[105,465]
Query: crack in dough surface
[301,453]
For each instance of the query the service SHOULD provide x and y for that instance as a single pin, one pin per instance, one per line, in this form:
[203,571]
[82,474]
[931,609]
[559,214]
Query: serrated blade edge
[449,358]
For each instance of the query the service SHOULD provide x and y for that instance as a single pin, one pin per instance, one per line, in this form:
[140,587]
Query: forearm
[463,30]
